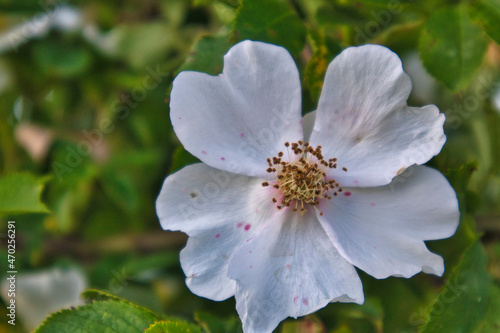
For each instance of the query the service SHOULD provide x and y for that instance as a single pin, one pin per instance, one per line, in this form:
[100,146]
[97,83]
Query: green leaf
[207,55]
[385,3]
[213,324]
[138,48]
[459,179]
[317,65]
[400,37]
[466,298]
[120,187]
[452,47]
[232,3]
[397,314]
[491,321]
[20,194]
[340,13]
[61,58]
[181,158]
[172,327]
[487,13]
[94,295]
[105,316]
[271,21]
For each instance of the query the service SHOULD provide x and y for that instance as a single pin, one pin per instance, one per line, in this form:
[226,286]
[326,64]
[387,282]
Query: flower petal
[219,211]
[289,268]
[236,120]
[363,120]
[381,230]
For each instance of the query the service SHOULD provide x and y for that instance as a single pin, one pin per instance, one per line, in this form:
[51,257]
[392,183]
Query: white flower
[38,294]
[280,223]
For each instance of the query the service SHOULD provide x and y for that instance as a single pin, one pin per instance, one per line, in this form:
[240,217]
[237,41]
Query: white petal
[363,120]
[290,268]
[237,120]
[219,211]
[381,230]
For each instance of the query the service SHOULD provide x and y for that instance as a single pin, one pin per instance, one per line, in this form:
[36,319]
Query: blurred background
[86,142]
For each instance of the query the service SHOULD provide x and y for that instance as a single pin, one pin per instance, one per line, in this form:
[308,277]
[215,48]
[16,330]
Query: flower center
[302,181]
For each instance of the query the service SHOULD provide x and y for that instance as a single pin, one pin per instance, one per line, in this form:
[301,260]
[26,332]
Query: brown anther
[344,168]
[302,181]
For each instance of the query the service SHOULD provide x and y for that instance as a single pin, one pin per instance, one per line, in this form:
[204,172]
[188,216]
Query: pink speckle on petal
[250,251]
[247,227]
[222,158]
[239,224]
[373,204]
[203,152]
[288,266]
[251,266]
[242,135]
[347,194]
[180,118]
[356,182]
[295,299]
[305,301]
[217,236]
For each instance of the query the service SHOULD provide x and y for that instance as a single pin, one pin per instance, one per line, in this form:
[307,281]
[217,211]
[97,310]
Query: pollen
[301,178]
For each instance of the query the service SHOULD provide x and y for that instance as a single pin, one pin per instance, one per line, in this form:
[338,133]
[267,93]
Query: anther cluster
[303,178]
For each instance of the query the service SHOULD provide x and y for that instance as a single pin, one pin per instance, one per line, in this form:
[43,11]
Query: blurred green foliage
[84,117]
